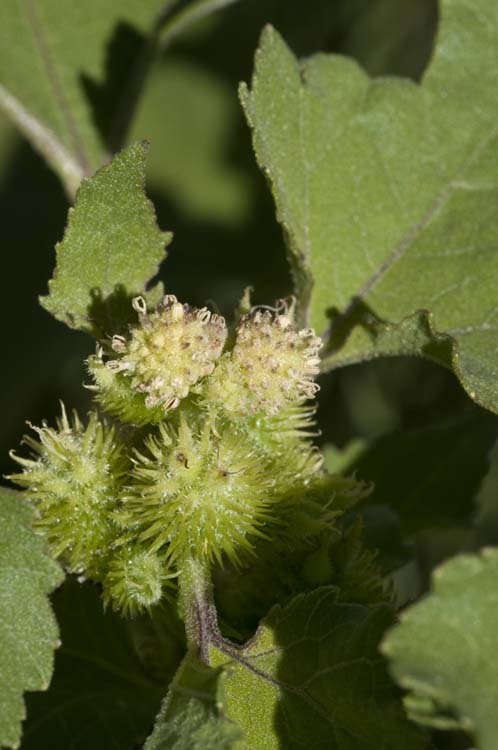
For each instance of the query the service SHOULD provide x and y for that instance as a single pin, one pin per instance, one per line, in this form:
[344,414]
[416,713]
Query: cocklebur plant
[220,454]
[192,499]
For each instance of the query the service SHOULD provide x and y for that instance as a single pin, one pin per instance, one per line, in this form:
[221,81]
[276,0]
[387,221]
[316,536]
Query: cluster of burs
[206,452]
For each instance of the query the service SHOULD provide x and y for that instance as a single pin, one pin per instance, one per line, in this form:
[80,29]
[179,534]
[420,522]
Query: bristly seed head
[135,580]
[193,489]
[74,476]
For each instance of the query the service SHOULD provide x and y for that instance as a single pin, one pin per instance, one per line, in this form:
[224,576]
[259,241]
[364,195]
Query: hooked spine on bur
[223,461]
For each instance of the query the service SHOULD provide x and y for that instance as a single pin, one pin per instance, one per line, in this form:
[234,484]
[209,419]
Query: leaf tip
[268,32]
[270,38]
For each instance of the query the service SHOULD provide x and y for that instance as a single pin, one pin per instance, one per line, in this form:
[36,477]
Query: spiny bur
[74,475]
[135,579]
[196,489]
[222,462]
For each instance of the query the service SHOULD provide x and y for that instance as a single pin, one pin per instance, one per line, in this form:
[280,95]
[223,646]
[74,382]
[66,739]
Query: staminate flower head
[167,353]
[271,365]
[74,476]
[198,491]
[135,580]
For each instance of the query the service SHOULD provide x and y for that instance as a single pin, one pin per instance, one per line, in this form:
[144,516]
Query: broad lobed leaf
[387,192]
[28,630]
[444,649]
[313,677]
[192,716]
[111,248]
[102,696]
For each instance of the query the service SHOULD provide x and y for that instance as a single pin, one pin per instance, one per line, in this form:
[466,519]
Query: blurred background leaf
[71,75]
[66,69]
[102,696]
[429,477]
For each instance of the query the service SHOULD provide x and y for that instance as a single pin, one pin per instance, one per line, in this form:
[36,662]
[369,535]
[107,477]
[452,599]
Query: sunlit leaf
[111,248]
[387,194]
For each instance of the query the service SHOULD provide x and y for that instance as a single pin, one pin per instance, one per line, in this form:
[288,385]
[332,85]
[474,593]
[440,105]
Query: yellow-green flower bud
[167,353]
[74,476]
[135,580]
[270,367]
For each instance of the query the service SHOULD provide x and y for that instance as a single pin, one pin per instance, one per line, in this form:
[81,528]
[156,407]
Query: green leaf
[28,630]
[188,14]
[444,650]
[112,246]
[312,677]
[486,518]
[386,191]
[70,80]
[278,574]
[429,477]
[52,65]
[340,460]
[192,715]
[101,696]
[189,114]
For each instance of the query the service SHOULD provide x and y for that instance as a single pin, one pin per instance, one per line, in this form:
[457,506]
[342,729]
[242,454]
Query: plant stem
[45,142]
[197,606]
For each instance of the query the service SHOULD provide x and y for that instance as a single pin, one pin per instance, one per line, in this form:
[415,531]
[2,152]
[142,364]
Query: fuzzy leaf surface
[101,696]
[313,677]
[28,629]
[444,649]
[191,717]
[112,246]
[386,191]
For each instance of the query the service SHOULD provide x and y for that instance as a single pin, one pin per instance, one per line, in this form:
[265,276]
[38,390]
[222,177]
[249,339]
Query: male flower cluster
[169,351]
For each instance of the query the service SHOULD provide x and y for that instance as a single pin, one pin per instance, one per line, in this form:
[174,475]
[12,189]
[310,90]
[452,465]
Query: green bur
[195,476]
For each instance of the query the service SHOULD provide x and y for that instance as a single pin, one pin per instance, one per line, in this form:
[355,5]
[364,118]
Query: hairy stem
[197,606]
